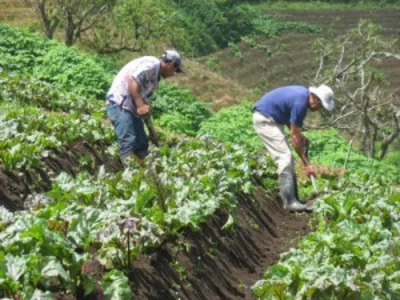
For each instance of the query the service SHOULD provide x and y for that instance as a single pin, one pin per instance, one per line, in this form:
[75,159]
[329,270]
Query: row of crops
[112,217]
[354,252]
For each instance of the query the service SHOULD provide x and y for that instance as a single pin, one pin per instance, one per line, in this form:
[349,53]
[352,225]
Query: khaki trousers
[275,141]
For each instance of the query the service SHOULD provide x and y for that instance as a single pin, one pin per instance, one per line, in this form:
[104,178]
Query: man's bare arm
[142,108]
[297,142]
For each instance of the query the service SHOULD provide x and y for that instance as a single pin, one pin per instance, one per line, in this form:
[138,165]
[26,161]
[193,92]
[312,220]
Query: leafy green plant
[232,124]
[27,134]
[183,112]
[352,253]
[71,70]
[26,89]
[20,48]
[67,68]
[116,216]
[177,122]
[116,285]
[329,148]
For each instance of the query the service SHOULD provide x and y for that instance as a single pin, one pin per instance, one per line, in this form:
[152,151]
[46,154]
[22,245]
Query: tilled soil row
[213,263]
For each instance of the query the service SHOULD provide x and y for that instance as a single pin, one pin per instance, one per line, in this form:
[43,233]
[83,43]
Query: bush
[179,104]
[176,122]
[232,124]
[74,71]
[214,24]
[67,68]
[19,49]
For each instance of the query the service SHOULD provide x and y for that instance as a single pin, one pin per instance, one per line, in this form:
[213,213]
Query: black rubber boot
[288,193]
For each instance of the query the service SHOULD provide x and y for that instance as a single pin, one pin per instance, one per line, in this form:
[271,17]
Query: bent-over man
[289,105]
[128,101]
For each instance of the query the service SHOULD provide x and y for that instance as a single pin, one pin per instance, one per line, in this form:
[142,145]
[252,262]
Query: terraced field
[292,56]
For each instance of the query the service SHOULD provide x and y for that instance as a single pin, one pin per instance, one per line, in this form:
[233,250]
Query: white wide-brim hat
[325,94]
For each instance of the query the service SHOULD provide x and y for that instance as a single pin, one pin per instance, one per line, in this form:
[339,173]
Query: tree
[135,25]
[47,13]
[364,109]
[81,15]
[74,16]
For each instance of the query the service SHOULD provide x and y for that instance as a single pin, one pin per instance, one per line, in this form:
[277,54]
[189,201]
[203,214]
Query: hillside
[291,59]
[247,71]
[215,89]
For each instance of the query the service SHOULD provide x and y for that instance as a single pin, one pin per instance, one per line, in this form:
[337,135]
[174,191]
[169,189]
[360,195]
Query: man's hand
[310,170]
[144,110]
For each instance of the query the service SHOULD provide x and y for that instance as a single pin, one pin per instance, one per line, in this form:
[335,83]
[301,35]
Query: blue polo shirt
[286,105]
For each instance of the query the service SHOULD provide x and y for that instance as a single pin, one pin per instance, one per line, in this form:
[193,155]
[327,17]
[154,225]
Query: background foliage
[24,52]
[178,109]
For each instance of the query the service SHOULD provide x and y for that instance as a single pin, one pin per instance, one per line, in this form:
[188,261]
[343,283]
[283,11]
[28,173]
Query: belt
[113,102]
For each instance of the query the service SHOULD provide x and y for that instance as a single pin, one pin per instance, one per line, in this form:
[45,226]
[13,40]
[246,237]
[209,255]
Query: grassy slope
[292,57]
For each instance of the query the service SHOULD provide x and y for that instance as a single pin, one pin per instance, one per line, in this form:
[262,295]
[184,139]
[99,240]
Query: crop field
[202,217]
[265,63]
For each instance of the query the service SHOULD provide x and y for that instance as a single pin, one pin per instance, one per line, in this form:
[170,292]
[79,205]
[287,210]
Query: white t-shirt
[145,70]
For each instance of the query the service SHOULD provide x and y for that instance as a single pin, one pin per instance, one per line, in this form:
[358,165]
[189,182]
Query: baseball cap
[325,94]
[175,57]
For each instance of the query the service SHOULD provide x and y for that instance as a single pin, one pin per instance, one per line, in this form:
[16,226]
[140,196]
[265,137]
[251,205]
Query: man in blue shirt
[288,106]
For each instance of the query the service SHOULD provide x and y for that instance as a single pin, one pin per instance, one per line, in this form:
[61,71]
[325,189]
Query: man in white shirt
[128,101]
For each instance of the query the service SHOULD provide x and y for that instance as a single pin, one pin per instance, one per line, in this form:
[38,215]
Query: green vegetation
[272,28]
[117,215]
[353,253]
[48,101]
[28,134]
[328,148]
[30,91]
[178,109]
[25,52]
[68,69]
[232,124]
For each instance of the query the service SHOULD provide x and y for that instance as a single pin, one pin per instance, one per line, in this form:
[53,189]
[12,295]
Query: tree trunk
[390,139]
[69,30]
